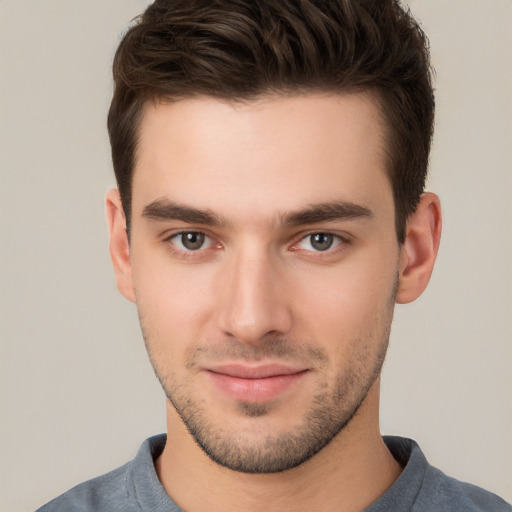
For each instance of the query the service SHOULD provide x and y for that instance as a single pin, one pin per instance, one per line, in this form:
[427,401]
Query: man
[271,160]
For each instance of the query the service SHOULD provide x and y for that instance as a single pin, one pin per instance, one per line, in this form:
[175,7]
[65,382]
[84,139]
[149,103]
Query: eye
[191,241]
[319,242]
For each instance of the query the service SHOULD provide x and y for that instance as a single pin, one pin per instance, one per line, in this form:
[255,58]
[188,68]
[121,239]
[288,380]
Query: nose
[253,302]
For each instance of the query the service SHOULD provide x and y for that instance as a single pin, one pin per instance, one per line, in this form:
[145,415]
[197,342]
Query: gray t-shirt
[420,488]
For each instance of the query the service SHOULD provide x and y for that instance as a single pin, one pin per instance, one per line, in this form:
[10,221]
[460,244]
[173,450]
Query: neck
[349,474]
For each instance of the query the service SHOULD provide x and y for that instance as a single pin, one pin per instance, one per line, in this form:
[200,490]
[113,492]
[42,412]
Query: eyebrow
[168,210]
[163,209]
[324,212]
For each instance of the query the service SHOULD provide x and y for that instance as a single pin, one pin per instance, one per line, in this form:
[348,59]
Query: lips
[255,383]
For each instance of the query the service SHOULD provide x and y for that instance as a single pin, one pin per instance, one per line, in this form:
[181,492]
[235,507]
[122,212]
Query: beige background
[78,395]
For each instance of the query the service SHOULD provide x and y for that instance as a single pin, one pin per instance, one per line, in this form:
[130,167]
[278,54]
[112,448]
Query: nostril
[251,306]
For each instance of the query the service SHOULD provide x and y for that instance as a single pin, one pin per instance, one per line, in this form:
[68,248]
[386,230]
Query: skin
[261,292]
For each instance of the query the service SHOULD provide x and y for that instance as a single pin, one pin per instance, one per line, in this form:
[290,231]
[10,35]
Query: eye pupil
[321,241]
[192,241]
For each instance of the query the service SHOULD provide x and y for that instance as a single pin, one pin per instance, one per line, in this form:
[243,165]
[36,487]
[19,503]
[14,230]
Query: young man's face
[264,264]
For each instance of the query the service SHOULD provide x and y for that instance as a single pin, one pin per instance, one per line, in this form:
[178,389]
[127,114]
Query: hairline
[373,94]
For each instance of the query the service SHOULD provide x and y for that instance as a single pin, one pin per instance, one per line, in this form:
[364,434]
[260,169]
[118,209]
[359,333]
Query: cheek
[173,301]
[346,303]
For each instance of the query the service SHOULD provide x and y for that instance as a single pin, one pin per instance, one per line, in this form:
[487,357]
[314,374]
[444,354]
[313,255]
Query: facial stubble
[330,411]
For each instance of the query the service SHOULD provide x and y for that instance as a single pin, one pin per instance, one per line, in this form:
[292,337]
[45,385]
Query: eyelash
[189,253]
[340,245]
[339,241]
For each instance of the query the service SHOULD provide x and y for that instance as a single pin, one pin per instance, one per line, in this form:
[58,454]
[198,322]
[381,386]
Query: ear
[419,250]
[119,245]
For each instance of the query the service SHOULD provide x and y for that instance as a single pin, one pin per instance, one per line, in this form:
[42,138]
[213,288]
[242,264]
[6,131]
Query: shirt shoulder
[442,492]
[106,492]
[133,487]
[424,488]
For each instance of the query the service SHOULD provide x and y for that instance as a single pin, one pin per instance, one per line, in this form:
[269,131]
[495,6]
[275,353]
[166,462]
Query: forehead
[274,152]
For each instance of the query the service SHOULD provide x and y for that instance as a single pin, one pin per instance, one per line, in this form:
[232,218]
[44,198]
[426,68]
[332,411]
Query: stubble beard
[330,412]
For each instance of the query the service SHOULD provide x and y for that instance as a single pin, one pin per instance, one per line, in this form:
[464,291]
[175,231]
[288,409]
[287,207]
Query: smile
[255,384]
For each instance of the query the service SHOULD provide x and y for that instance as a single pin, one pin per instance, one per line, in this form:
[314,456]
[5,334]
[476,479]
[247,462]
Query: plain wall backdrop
[78,395]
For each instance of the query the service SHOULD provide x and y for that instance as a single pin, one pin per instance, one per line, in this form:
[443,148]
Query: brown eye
[191,240]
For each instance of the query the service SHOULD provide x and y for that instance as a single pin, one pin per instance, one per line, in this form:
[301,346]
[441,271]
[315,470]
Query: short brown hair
[242,49]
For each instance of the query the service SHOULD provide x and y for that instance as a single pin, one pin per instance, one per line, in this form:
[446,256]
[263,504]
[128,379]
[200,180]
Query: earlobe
[419,250]
[119,244]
